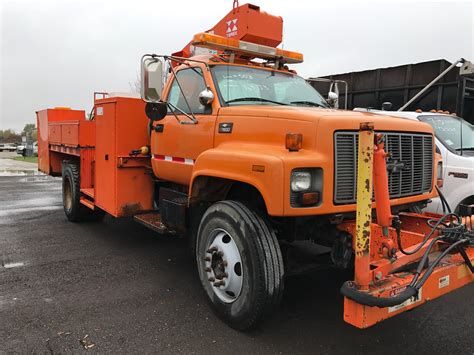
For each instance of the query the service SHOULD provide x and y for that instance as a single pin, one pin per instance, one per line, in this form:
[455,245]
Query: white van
[456,149]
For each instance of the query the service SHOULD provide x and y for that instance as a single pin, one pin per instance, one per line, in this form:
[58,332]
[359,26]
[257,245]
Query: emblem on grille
[396,166]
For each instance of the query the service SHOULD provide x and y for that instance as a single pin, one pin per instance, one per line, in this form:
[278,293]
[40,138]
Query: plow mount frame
[383,284]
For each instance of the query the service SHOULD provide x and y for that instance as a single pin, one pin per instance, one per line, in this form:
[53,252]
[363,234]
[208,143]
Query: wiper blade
[464,148]
[258,99]
[309,103]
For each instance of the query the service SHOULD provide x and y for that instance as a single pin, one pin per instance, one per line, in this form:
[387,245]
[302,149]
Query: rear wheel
[239,263]
[75,211]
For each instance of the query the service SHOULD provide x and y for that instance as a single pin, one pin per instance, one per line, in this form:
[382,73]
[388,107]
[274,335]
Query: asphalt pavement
[117,287]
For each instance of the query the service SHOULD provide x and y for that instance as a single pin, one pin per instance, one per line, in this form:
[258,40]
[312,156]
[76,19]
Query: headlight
[300,181]
[440,170]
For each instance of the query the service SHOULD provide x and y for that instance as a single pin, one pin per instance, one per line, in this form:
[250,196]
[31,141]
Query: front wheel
[240,264]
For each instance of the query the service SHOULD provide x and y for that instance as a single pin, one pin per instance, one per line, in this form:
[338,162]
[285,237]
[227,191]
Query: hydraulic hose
[426,238]
[349,290]
[437,261]
[444,202]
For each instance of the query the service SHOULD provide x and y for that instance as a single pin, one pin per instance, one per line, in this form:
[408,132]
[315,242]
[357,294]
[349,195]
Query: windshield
[250,86]
[448,131]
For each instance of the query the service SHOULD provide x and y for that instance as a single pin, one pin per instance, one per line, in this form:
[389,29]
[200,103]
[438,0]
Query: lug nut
[222,276]
[224,263]
[211,279]
[212,250]
[220,254]
[207,258]
[219,277]
[219,283]
[207,269]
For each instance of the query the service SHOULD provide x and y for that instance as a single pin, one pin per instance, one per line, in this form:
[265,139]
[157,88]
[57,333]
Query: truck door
[175,146]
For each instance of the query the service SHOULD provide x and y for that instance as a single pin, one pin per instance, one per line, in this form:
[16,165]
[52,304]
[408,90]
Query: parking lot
[118,287]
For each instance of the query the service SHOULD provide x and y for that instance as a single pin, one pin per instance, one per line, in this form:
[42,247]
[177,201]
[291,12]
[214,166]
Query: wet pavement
[117,287]
[10,167]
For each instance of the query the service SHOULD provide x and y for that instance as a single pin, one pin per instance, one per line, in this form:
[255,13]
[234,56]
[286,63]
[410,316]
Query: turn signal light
[310,198]
[294,141]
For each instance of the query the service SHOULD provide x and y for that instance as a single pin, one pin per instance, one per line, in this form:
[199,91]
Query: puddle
[32,203]
[9,172]
[40,178]
[12,265]
[14,211]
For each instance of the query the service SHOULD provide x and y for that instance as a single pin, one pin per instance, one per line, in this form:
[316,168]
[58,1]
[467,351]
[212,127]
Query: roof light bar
[208,40]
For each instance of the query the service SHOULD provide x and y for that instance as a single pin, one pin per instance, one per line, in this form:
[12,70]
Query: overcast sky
[58,52]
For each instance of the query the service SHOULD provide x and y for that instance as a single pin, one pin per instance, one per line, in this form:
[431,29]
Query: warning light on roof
[212,41]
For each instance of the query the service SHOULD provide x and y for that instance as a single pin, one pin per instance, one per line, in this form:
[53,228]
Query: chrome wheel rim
[223,266]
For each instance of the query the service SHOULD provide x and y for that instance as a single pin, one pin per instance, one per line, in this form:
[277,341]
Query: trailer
[232,150]
[454,92]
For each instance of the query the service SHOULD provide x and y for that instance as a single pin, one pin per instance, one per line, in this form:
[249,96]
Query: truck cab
[267,130]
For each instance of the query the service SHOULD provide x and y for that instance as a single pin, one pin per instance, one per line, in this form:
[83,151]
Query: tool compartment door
[123,183]
[105,176]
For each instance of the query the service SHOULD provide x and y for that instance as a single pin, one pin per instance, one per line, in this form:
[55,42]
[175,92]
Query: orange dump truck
[236,152]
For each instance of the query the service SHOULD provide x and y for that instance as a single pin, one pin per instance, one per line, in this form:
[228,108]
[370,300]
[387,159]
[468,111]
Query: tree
[29,128]
[30,132]
[9,136]
[136,84]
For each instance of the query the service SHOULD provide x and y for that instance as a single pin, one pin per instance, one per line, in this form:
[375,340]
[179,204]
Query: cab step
[87,203]
[153,221]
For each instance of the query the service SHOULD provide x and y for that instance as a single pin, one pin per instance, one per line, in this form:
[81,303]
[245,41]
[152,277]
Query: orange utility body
[203,163]
[110,179]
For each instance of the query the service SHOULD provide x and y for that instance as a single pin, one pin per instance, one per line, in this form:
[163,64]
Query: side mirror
[151,79]
[206,97]
[332,98]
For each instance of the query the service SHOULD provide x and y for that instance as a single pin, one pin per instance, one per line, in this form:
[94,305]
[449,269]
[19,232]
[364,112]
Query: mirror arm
[180,60]
[192,117]
[172,108]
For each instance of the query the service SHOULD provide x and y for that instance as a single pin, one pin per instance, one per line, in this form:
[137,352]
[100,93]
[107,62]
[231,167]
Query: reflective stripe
[186,161]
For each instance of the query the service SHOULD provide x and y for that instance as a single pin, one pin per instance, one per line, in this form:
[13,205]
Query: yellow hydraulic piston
[364,205]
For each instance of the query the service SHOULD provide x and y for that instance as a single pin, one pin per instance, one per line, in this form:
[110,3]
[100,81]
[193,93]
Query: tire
[229,234]
[75,211]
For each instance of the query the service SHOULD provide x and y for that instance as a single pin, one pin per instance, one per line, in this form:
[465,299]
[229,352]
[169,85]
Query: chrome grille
[410,166]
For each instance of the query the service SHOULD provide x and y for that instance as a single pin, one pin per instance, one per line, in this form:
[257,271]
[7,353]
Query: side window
[192,83]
